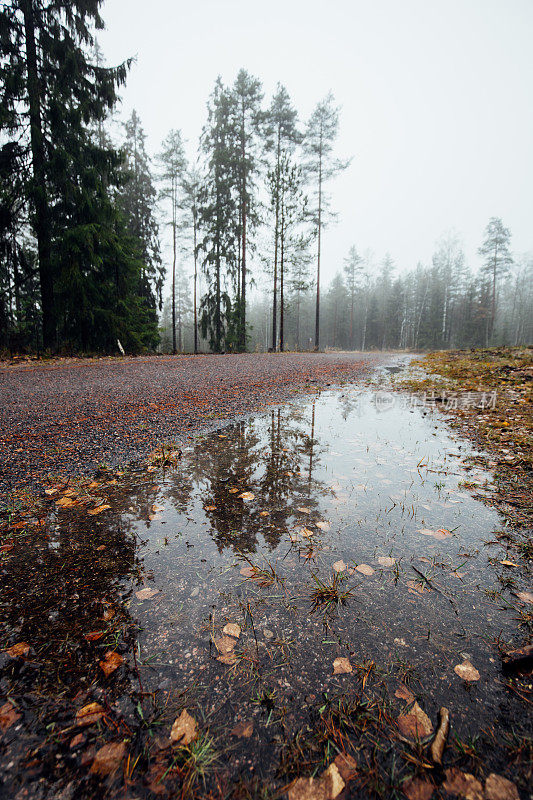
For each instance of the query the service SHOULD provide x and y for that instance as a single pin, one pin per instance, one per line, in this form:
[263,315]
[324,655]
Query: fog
[435,97]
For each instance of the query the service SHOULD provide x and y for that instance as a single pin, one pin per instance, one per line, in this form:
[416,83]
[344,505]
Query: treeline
[80,244]
[446,304]
[83,215]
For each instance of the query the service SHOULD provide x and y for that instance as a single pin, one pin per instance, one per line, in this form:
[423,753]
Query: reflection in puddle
[350,492]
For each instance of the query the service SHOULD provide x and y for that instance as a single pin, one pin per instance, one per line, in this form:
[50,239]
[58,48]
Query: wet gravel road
[67,417]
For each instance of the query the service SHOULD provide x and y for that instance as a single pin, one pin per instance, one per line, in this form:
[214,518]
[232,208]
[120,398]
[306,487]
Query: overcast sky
[436,99]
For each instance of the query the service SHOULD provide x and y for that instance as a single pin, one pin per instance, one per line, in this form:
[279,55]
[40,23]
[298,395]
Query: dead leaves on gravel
[327,787]
[184,730]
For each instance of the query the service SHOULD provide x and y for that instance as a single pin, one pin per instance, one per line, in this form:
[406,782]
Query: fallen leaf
[324,526]
[403,693]
[339,566]
[233,491]
[19,650]
[228,658]
[439,742]
[224,644]
[327,787]
[499,788]
[332,781]
[77,740]
[243,729]
[65,502]
[462,784]
[418,789]
[442,533]
[264,513]
[416,724]
[467,671]
[386,561]
[153,517]
[146,594]
[210,508]
[8,716]
[112,661]
[347,766]
[306,532]
[93,636]
[232,629]
[525,597]
[98,509]
[247,496]
[108,759]
[89,714]
[341,665]
[184,729]
[507,563]
[304,510]
[50,491]
[364,569]
[248,572]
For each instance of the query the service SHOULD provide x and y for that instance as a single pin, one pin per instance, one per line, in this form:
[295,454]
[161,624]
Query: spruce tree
[138,204]
[190,204]
[282,135]
[497,260]
[219,235]
[173,166]
[248,120]
[320,134]
[352,270]
[56,92]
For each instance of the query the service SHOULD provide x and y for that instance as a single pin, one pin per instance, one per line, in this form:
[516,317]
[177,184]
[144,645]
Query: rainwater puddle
[259,516]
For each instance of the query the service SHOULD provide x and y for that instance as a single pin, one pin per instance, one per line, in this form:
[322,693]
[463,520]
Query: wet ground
[338,538]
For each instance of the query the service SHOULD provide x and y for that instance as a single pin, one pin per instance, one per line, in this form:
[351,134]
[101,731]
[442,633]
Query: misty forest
[266,400]
[101,240]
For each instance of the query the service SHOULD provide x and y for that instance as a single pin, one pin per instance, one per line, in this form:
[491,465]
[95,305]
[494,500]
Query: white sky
[436,100]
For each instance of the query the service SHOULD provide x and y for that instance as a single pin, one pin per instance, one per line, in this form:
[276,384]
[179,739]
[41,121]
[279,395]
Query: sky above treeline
[435,100]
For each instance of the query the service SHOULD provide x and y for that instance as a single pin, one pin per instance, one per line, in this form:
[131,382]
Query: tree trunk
[39,192]
[317,312]
[195,231]
[242,314]
[173,268]
[276,236]
[281,285]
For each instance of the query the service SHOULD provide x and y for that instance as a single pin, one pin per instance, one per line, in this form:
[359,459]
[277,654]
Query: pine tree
[137,202]
[54,90]
[352,270]
[173,166]
[190,203]
[217,217]
[497,263]
[248,120]
[321,132]
[282,136]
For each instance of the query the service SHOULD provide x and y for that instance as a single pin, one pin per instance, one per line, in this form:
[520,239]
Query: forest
[87,218]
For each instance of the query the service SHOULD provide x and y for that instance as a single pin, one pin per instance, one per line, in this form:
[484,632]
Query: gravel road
[67,417]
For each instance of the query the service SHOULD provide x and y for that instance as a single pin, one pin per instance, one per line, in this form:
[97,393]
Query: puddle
[382,480]
[247,530]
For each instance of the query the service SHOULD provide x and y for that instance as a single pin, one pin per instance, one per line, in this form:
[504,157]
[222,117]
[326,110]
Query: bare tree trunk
[195,233]
[173,196]
[317,313]
[281,282]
